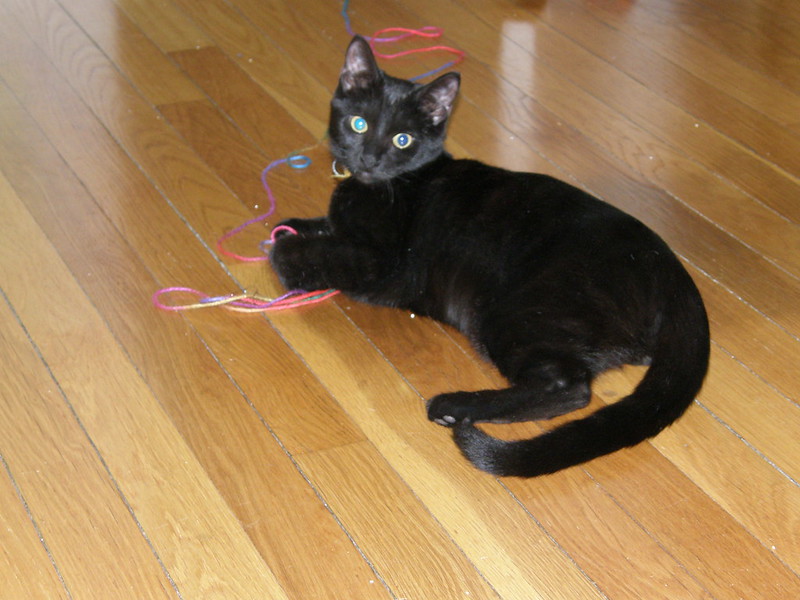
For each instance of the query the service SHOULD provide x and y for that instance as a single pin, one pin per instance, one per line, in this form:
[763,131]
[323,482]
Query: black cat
[551,284]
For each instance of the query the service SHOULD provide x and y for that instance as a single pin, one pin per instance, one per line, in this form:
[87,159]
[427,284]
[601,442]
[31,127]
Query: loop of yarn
[295,161]
[252,302]
[243,302]
[380,37]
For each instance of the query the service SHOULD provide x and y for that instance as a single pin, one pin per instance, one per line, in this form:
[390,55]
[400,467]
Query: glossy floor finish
[212,454]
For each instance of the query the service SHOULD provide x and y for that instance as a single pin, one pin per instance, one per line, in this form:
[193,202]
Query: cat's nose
[368,162]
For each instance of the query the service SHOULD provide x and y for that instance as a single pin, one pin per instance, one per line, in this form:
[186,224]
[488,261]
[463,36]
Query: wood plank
[763,40]
[784,8]
[113,101]
[633,99]
[167,251]
[625,559]
[26,569]
[135,439]
[166,25]
[232,158]
[768,354]
[199,122]
[375,495]
[42,441]
[765,419]
[667,168]
[740,476]
[256,113]
[131,51]
[711,546]
[702,437]
[749,87]
[265,483]
[114,185]
[627,51]
[285,80]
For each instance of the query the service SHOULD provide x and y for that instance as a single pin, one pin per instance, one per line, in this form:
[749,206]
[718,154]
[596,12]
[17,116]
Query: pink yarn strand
[259,219]
[248,302]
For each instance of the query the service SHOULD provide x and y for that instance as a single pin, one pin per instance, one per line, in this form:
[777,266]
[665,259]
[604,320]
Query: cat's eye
[402,140]
[358,124]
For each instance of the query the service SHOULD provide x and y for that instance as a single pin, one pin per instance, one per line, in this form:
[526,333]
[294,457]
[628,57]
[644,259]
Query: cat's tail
[676,373]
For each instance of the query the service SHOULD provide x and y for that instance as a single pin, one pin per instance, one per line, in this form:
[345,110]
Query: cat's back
[491,228]
[486,204]
[471,185]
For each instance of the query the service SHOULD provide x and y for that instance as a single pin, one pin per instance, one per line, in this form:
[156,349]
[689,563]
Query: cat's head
[381,126]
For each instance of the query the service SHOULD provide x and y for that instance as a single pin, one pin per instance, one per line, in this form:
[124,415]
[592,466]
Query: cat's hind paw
[448,410]
[445,421]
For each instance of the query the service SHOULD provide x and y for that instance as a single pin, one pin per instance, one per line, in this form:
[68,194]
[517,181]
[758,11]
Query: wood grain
[131,51]
[52,459]
[210,454]
[623,92]
[147,458]
[374,497]
[26,570]
[162,22]
[250,483]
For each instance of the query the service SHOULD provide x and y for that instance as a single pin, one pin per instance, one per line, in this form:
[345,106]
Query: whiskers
[390,188]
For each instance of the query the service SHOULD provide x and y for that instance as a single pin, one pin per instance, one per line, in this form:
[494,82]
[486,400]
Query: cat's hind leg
[547,388]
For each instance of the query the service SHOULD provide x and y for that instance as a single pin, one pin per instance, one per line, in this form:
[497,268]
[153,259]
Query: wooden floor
[218,455]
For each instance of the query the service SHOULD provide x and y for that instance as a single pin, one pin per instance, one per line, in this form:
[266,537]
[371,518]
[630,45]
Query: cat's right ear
[437,98]
[360,70]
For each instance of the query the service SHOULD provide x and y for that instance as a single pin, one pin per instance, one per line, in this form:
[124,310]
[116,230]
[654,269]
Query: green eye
[359,124]
[402,140]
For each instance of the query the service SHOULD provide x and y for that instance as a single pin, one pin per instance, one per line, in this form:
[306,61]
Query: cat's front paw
[292,265]
[450,409]
[302,227]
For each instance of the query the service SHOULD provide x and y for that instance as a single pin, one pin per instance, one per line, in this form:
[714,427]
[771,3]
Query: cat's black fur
[551,284]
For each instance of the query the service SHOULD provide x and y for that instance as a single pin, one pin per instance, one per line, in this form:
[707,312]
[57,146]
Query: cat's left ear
[360,70]
[437,98]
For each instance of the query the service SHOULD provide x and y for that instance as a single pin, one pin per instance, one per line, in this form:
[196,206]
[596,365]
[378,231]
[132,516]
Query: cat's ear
[360,70]
[437,98]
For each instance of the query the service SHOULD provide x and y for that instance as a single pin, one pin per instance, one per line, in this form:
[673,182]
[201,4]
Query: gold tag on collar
[343,174]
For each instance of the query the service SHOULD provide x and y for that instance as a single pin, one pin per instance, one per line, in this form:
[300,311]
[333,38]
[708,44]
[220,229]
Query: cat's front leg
[296,261]
[322,262]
